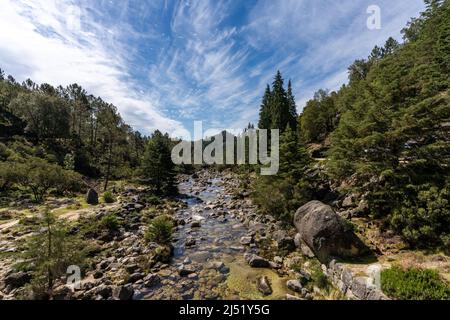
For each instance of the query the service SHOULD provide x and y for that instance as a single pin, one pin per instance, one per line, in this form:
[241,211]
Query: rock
[135,277]
[190,242]
[256,261]
[125,292]
[278,260]
[103,291]
[286,244]
[63,292]
[294,285]
[264,286]
[152,280]
[298,240]
[98,274]
[325,233]
[185,271]
[92,197]
[291,297]
[304,277]
[196,224]
[17,279]
[360,287]
[132,268]
[246,241]
[348,202]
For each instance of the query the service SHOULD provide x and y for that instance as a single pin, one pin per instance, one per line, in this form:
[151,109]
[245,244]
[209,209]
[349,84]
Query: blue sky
[167,63]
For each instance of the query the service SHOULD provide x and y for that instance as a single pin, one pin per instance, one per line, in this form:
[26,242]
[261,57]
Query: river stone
[92,197]
[62,292]
[246,241]
[196,224]
[294,285]
[135,277]
[185,271]
[17,279]
[125,292]
[325,233]
[103,291]
[190,242]
[152,280]
[264,286]
[256,261]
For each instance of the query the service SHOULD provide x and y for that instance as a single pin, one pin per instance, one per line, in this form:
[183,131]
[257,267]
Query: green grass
[414,284]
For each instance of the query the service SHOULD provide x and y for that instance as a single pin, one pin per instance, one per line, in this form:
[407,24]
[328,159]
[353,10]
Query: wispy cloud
[165,63]
[41,44]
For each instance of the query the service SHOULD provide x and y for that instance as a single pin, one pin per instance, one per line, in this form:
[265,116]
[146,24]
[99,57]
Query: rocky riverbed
[222,249]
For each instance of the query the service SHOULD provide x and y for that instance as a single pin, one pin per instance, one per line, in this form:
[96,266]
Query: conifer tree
[293,115]
[158,168]
[265,118]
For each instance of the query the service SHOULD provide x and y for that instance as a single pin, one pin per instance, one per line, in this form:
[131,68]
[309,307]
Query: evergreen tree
[279,104]
[293,115]
[157,167]
[265,117]
[49,251]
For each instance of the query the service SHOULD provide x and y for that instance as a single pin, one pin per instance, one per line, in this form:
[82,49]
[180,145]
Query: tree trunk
[108,169]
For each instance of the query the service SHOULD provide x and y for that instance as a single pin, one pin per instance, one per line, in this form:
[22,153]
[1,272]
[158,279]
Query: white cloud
[36,42]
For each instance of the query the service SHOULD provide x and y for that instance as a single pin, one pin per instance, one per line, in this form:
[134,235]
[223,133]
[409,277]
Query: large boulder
[92,197]
[326,234]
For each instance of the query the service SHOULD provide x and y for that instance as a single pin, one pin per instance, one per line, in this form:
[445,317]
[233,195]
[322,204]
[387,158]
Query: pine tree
[158,167]
[265,117]
[293,115]
[279,104]
[293,156]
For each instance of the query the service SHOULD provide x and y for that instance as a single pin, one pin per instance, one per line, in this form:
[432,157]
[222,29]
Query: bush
[110,222]
[109,197]
[414,284]
[152,200]
[160,230]
[425,219]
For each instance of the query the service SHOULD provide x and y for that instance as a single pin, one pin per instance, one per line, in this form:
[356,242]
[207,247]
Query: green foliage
[278,108]
[157,167]
[49,252]
[160,230]
[76,130]
[152,200]
[424,219]
[414,284]
[109,197]
[39,176]
[110,222]
[392,139]
[319,117]
[281,195]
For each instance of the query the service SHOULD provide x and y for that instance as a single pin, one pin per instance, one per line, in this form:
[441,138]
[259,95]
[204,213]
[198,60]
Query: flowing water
[216,259]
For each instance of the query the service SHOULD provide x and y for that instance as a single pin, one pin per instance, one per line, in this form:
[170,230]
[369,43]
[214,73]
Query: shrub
[414,284]
[109,197]
[160,230]
[424,219]
[110,222]
[152,200]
